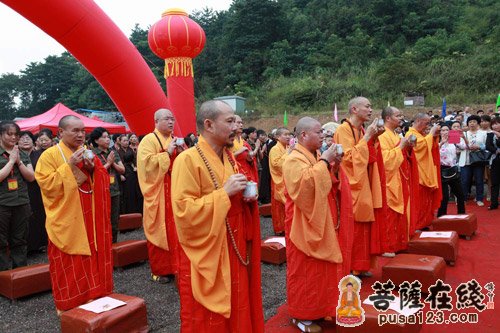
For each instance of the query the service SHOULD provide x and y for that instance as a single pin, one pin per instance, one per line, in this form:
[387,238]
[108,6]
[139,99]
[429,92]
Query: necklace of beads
[216,185]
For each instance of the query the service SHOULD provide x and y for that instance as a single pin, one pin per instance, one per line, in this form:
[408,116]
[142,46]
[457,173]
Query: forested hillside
[306,55]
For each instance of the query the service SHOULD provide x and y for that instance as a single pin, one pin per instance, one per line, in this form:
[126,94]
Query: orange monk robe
[395,236]
[154,166]
[217,292]
[364,179]
[78,226]
[277,155]
[248,168]
[427,157]
[314,257]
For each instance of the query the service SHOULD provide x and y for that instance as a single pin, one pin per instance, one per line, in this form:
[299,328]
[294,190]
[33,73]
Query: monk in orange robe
[314,256]
[362,170]
[427,157]
[75,193]
[155,156]
[394,152]
[244,154]
[219,232]
[277,155]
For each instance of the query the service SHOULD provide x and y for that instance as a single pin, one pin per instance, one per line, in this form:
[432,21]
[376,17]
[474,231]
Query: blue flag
[443,110]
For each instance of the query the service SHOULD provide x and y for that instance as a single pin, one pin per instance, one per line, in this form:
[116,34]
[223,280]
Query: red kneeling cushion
[464,224]
[24,281]
[130,221]
[447,248]
[265,210]
[410,267]
[273,252]
[129,252]
[128,318]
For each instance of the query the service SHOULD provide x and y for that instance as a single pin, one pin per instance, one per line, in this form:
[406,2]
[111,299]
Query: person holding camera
[450,173]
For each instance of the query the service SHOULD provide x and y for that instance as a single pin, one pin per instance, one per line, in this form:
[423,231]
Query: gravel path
[37,313]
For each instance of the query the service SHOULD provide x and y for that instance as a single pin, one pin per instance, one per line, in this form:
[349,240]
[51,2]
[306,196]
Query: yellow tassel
[178,67]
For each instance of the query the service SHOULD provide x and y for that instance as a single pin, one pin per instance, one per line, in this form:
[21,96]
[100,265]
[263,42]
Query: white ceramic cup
[250,190]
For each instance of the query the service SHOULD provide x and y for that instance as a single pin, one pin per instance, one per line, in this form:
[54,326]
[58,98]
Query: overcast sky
[21,42]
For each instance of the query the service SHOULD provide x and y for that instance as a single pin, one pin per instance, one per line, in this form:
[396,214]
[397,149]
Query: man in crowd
[265,173]
[395,153]
[362,169]
[427,158]
[277,155]
[314,257]
[219,232]
[155,156]
[245,155]
[75,194]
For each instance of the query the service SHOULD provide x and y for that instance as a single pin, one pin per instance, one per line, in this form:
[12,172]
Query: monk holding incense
[219,232]
[314,257]
[277,156]
[428,161]
[155,157]
[75,193]
[360,162]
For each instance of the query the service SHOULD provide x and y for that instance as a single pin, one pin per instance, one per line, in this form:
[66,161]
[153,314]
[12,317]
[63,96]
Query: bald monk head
[421,122]
[282,135]
[72,132]
[360,109]
[309,133]
[217,123]
[164,121]
[392,117]
[239,125]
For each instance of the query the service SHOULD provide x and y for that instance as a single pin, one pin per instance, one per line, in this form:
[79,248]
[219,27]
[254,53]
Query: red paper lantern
[177,39]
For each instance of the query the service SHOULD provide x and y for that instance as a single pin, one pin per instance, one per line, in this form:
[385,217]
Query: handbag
[479,157]
[448,174]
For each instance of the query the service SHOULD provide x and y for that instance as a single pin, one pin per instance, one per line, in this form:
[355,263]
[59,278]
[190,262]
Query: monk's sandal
[160,279]
[306,326]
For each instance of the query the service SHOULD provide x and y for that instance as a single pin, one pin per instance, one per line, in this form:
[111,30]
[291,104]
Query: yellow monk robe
[248,168]
[314,257]
[395,233]
[217,292]
[154,166]
[277,156]
[427,157]
[78,227]
[364,180]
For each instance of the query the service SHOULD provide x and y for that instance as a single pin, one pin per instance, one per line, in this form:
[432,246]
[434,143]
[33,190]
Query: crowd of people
[340,198]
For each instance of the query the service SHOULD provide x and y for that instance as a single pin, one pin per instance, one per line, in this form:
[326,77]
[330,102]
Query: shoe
[361,274]
[492,207]
[160,279]
[389,254]
[480,203]
[306,325]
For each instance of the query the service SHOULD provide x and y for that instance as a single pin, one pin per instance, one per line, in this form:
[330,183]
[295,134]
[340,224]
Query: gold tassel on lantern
[179,66]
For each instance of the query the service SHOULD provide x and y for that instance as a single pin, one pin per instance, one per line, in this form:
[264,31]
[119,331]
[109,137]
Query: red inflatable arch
[102,48]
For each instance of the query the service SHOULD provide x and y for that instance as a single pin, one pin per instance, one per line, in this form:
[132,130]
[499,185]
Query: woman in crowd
[133,142]
[100,140]
[37,235]
[132,199]
[450,175]
[493,146]
[475,140]
[15,172]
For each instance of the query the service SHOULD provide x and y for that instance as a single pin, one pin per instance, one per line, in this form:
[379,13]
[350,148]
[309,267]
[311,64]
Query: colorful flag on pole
[498,101]
[443,109]
[335,113]
[388,104]
[285,119]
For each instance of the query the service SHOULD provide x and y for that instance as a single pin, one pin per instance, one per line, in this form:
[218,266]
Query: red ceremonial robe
[76,279]
[164,262]
[312,284]
[249,169]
